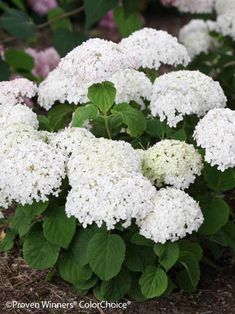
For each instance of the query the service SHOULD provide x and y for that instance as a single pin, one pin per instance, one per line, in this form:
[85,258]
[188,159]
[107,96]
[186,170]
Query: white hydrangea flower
[10,114]
[172,162]
[155,48]
[95,61]
[15,134]
[15,91]
[194,6]
[31,171]
[175,214]
[70,139]
[181,93]
[100,157]
[224,6]
[110,199]
[226,24]
[195,36]
[216,134]
[131,85]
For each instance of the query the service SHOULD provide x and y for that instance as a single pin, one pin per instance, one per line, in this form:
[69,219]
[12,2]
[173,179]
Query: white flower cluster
[226,24]
[110,199]
[195,36]
[131,85]
[181,93]
[10,114]
[224,6]
[94,61]
[155,48]
[107,184]
[31,171]
[175,214]
[15,91]
[216,134]
[194,6]
[172,162]
[69,140]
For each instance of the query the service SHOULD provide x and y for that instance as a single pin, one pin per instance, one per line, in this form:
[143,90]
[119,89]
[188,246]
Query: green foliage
[58,228]
[127,24]
[58,23]
[94,10]
[106,254]
[18,24]
[102,95]
[168,254]
[38,252]
[58,116]
[19,60]
[83,114]
[153,282]
[8,242]
[132,118]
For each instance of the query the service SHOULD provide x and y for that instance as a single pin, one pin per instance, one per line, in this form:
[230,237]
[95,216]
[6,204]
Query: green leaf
[18,24]
[102,95]
[141,240]
[8,242]
[60,23]
[4,71]
[139,257]
[38,252]
[64,40]
[168,254]
[71,271]
[192,247]
[58,228]
[217,180]
[83,114]
[117,287]
[58,116]
[135,291]
[24,215]
[184,282]
[127,24]
[19,4]
[154,128]
[153,282]
[106,254]
[191,265]
[216,214]
[44,123]
[86,285]
[19,59]
[95,10]
[79,245]
[229,231]
[131,6]
[133,118]
[179,135]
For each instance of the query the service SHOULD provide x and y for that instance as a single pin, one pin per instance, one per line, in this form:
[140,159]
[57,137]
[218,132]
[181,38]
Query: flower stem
[107,126]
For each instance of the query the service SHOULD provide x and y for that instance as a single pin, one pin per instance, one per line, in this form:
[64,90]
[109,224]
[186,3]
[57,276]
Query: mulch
[216,293]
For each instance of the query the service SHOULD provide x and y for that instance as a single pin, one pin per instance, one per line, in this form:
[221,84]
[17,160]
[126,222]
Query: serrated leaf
[58,228]
[94,10]
[192,247]
[38,252]
[86,285]
[102,95]
[139,257]
[106,254]
[153,282]
[168,254]
[216,214]
[133,118]
[117,287]
[83,114]
[18,24]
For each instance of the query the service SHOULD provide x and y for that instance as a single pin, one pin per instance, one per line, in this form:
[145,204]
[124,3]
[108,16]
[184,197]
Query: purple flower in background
[108,21]
[42,6]
[45,61]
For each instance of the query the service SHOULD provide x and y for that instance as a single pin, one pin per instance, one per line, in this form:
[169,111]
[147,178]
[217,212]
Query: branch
[44,25]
